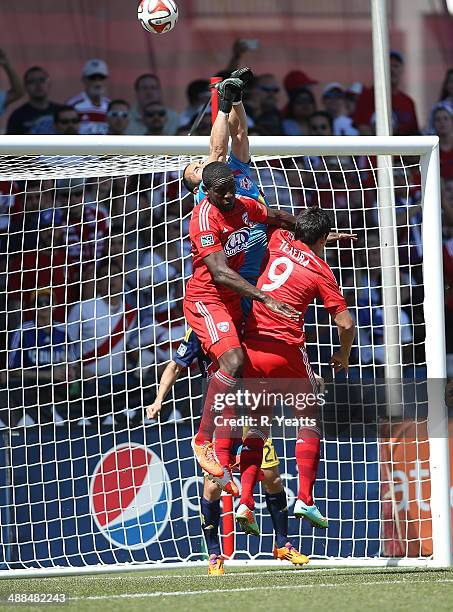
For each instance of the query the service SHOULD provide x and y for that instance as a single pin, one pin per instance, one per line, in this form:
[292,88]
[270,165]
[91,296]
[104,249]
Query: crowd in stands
[93,269]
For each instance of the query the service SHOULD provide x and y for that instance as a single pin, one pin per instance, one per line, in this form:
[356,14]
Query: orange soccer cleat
[226,482]
[289,553]
[215,566]
[206,457]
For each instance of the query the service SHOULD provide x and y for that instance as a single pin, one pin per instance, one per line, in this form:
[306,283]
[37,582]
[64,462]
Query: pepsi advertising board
[78,497]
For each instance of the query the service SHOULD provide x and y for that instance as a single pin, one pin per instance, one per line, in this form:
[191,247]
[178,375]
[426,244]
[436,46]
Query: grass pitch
[254,589]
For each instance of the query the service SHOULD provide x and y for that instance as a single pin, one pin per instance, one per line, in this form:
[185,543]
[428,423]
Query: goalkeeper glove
[246,75]
[228,90]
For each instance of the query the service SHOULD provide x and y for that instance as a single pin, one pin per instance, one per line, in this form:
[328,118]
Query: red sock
[250,465]
[308,446]
[219,384]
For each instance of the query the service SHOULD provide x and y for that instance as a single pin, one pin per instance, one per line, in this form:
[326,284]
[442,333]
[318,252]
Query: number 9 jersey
[295,275]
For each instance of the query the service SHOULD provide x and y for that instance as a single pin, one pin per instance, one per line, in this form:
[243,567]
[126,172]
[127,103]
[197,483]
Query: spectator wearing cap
[404,114]
[66,121]
[333,99]
[442,121]
[147,90]
[37,114]
[15,91]
[43,263]
[40,365]
[295,80]
[118,117]
[92,103]
[302,105]
[198,95]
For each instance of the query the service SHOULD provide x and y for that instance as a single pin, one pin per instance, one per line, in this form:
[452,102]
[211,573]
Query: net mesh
[95,256]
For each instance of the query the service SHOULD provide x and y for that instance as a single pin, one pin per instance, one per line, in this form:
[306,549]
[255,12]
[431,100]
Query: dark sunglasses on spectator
[322,126]
[41,79]
[67,121]
[269,88]
[115,113]
[160,113]
[96,77]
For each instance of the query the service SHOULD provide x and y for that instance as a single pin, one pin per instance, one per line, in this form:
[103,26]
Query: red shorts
[217,325]
[287,372]
[274,359]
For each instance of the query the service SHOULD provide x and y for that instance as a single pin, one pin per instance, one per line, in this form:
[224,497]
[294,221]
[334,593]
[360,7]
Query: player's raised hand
[336,236]
[281,308]
[153,410]
[339,362]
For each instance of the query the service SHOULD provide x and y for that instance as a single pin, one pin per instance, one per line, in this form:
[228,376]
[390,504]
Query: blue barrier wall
[48,499]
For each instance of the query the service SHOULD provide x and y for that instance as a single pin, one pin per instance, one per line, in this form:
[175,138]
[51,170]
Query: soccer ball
[158,16]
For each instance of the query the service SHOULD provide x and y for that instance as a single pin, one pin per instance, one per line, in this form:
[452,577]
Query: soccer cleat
[289,553]
[215,566]
[205,455]
[225,482]
[311,513]
[246,519]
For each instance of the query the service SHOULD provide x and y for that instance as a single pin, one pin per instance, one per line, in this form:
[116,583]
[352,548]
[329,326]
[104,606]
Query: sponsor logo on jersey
[245,183]
[207,240]
[224,326]
[182,350]
[130,496]
[237,242]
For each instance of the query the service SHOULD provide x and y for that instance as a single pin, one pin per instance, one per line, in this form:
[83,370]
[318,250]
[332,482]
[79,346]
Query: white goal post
[174,536]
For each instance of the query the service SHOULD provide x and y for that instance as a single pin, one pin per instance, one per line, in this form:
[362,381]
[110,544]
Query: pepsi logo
[130,496]
[237,242]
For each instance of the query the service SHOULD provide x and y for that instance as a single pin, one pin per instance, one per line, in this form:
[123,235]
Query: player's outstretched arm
[220,133]
[169,376]
[346,332]
[280,218]
[237,120]
[222,274]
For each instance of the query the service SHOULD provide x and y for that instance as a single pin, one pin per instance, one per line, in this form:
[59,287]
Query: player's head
[191,176]
[219,183]
[312,228]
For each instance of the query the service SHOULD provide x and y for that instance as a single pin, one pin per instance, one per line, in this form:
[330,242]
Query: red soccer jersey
[212,230]
[404,114]
[296,276]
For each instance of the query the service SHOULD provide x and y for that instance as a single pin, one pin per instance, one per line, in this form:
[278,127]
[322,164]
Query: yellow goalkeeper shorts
[270,457]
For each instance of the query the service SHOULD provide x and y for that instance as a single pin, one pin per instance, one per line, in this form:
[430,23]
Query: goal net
[95,257]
